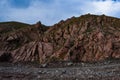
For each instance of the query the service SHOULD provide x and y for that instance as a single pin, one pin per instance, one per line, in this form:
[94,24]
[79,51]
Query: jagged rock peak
[38,24]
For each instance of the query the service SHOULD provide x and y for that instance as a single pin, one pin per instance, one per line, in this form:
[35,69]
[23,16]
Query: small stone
[38,76]
[47,72]
[56,71]
[39,71]
[83,64]
[63,72]
[69,64]
[61,76]
[43,72]
[91,76]
[44,65]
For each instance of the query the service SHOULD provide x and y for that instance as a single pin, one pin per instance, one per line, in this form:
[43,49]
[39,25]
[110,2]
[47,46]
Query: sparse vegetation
[7,27]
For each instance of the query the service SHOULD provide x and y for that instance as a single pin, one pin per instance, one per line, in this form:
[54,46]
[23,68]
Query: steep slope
[84,38]
[12,40]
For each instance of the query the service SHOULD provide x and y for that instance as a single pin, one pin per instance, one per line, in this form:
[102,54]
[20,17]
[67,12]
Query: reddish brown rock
[86,38]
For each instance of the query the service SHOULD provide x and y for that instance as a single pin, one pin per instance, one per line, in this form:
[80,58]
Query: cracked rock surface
[87,38]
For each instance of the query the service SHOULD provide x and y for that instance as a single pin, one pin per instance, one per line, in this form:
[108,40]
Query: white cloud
[108,7]
[50,13]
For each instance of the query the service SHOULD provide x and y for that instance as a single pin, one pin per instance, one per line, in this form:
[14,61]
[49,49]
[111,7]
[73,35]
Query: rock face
[86,38]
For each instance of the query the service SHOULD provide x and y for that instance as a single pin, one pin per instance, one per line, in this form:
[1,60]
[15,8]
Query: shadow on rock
[6,57]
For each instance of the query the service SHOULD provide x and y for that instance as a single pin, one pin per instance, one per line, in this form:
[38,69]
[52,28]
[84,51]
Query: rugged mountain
[84,38]
[17,36]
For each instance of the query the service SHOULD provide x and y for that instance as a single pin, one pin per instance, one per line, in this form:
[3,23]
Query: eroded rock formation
[86,38]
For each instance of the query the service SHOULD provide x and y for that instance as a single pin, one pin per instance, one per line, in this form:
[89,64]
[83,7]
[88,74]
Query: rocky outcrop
[86,38]
[33,51]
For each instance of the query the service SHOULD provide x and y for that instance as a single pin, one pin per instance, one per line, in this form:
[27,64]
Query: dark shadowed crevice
[36,53]
[6,57]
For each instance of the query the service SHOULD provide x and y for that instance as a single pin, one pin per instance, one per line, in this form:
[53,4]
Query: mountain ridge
[85,38]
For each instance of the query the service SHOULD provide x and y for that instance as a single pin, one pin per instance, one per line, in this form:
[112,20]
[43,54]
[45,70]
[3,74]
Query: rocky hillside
[84,38]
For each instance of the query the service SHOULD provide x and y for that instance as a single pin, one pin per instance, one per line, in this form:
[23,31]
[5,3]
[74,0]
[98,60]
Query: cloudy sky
[50,12]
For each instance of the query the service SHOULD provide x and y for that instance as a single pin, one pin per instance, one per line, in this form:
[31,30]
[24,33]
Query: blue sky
[50,12]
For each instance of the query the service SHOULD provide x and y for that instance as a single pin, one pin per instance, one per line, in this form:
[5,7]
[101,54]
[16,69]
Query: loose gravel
[107,70]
